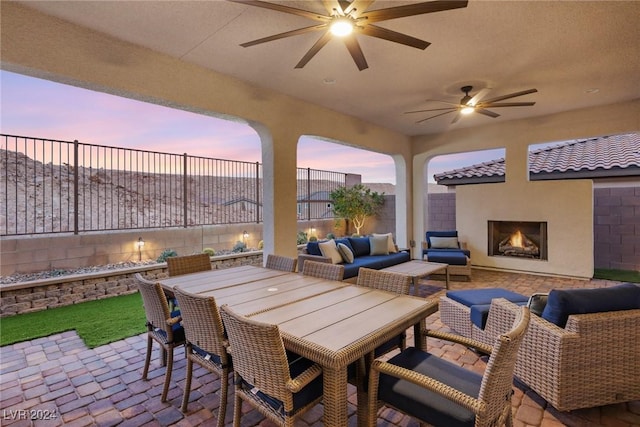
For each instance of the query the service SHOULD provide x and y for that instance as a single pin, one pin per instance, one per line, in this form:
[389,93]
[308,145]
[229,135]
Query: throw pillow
[345,252]
[390,243]
[444,242]
[329,250]
[379,245]
[537,303]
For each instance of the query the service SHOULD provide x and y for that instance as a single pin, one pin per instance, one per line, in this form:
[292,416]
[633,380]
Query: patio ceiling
[576,53]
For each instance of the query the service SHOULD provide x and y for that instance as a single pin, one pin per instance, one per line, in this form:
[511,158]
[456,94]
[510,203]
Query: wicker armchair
[439,392]
[163,326]
[206,344]
[188,264]
[282,263]
[593,361]
[323,270]
[282,386]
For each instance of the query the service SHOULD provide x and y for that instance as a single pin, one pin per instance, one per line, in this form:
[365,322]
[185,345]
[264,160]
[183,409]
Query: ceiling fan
[345,19]
[476,104]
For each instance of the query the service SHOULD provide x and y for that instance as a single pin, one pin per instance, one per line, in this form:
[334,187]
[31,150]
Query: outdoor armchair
[442,393]
[279,384]
[178,265]
[206,343]
[283,263]
[163,326]
[445,247]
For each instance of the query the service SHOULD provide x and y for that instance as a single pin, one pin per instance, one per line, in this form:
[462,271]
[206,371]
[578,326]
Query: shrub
[330,236]
[239,247]
[313,239]
[209,251]
[167,253]
[301,238]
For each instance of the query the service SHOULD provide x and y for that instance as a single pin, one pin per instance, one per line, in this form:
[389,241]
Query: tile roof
[607,156]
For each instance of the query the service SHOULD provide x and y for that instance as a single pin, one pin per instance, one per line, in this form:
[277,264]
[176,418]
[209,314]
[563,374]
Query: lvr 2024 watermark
[29,414]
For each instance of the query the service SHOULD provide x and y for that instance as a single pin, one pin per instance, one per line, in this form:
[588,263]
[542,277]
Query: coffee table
[417,269]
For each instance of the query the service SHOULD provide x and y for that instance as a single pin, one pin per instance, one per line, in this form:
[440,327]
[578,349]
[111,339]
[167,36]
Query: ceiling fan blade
[433,117]
[487,112]
[412,9]
[322,41]
[431,109]
[331,5]
[356,52]
[511,95]
[285,9]
[357,7]
[285,34]
[508,104]
[456,104]
[478,96]
[457,117]
[393,36]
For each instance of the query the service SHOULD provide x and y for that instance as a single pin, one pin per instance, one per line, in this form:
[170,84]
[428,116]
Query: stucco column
[279,160]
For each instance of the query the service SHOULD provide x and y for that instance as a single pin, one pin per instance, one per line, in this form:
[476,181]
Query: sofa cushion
[562,303]
[390,243]
[470,297]
[330,250]
[379,245]
[345,241]
[313,248]
[393,259]
[360,246]
[345,253]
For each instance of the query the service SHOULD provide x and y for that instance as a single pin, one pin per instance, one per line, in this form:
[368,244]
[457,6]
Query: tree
[356,204]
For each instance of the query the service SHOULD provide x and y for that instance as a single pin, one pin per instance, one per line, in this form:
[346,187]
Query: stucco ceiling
[576,53]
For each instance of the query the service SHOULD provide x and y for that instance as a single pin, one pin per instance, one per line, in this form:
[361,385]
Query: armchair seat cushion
[452,256]
[428,406]
[471,297]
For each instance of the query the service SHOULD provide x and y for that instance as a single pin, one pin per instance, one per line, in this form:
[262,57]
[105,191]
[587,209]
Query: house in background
[611,162]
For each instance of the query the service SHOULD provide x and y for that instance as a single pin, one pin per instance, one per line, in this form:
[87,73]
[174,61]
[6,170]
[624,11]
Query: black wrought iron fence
[51,186]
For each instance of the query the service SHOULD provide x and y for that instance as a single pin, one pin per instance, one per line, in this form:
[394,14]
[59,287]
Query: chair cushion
[360,246]
[312,391]
[426,405]
[444,242]
[452,257]
[206,355]
[470,297]
[480,313]
[448,233]
[562,303]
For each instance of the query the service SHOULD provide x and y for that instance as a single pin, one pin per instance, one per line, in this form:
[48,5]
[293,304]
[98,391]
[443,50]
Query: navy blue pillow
[360,246]
[313,248]
[564,302]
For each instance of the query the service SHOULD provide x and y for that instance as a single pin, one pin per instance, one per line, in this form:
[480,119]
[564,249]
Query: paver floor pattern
[57,380]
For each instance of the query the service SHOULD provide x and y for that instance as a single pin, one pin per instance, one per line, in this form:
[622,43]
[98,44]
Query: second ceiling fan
[345,19]
[476,104]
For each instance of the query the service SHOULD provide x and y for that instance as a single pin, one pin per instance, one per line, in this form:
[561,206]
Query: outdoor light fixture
[245,235]
[140,244]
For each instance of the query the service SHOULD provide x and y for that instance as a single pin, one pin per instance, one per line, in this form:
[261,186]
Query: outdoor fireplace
[522,239]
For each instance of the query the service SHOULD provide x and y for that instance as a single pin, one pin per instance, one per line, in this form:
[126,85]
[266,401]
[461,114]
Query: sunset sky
[43,109]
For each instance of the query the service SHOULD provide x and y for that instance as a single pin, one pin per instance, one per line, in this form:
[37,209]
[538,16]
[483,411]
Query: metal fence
[51,186]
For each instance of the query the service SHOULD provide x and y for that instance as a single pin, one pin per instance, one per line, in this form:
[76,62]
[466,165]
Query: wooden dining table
[332,323]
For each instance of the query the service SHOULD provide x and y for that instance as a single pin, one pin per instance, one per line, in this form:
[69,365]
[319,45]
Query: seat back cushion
[313,248]
[562,303]
[448,236]
[360,246]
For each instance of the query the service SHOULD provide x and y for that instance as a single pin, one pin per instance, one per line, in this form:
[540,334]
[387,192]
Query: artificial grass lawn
[618,275]
[96,322]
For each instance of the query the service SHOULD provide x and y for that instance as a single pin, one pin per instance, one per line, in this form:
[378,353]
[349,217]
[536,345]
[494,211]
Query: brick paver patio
[58,378]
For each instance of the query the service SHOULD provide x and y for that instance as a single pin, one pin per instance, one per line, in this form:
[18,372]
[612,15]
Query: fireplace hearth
[521,239]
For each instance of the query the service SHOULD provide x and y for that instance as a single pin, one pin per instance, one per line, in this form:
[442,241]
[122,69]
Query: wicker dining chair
[206,343]
[390,282]
[188,264]
[439,392]
[279,262]
[323,270]
[281,385]
[163,326]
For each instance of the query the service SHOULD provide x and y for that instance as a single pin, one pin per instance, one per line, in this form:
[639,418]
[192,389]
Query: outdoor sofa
[376,251]
[583,350]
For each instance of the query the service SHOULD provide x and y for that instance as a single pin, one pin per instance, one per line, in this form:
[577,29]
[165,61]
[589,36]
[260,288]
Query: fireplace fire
[518,244]
[523,239]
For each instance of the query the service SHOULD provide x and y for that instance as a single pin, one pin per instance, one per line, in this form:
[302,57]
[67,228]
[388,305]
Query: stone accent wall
[617,227]
[40,295]
[442,211]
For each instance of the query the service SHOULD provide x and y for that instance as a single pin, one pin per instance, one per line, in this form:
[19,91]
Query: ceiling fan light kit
[345,19]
